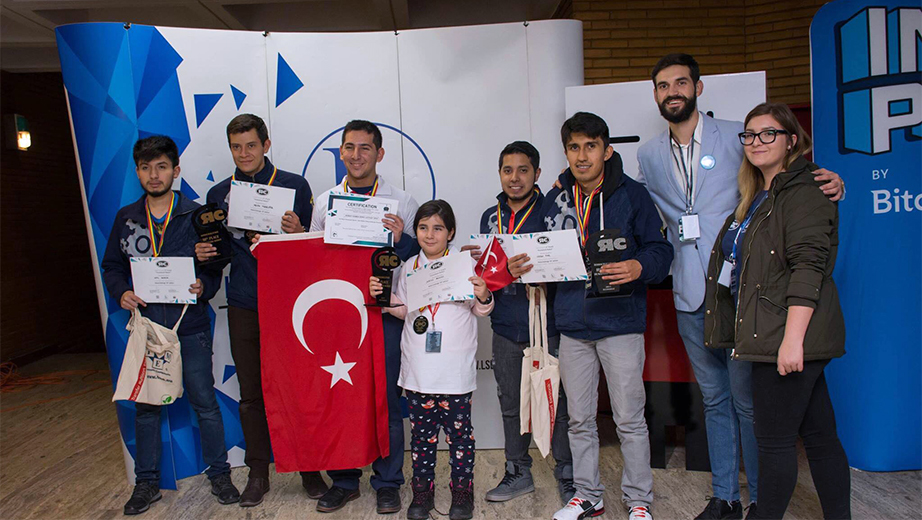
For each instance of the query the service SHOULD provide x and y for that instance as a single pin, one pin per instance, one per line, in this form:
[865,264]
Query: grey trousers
[622,359]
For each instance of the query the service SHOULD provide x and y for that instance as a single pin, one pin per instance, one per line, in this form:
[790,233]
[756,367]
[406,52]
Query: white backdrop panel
[346,76]
[630,109]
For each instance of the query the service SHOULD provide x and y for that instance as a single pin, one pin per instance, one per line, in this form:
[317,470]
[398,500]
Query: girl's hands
[480,288]
[790,357]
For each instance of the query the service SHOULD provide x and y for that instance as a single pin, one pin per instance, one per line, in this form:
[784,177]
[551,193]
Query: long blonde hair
[750,178]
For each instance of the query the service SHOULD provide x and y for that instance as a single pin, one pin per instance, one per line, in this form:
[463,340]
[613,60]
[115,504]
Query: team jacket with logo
[130,238]
[241,287]
[629,209]
[510,315]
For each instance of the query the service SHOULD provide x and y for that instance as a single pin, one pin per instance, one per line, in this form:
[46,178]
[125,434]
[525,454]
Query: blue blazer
[717,192]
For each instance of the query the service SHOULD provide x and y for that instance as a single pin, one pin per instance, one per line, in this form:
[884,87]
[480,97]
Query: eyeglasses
[766,136]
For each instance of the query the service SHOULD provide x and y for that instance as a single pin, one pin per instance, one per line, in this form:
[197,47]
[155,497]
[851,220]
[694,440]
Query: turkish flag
[492,266]
[322,352]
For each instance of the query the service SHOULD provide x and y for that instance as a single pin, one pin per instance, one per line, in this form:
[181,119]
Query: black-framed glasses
[766,136]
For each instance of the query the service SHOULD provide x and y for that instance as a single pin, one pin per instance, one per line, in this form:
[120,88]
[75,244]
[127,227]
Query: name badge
[688,228]
[724,278]
[434,341]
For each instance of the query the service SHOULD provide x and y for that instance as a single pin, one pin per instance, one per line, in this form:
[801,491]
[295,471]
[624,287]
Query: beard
[691,105]
[162,191]
[523,196]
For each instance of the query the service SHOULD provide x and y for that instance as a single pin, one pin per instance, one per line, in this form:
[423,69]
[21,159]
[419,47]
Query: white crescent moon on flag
[491,253]
[327,290]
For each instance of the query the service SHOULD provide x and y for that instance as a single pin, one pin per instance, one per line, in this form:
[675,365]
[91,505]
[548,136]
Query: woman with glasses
[771,298]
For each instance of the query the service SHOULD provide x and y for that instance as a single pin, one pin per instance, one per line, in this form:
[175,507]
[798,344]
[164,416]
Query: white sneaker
[577,509]
[641,513]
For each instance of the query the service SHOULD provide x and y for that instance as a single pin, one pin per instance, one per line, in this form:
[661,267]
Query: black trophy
[383,263]
[208,222]
[605,247]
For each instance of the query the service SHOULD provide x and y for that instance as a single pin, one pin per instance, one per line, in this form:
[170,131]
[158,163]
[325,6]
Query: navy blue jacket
[241,287]
[629,208]
[510,313]
[130,238]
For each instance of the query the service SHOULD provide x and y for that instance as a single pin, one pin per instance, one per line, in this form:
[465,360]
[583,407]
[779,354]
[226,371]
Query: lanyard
[512,228]
[373,190]
[155,246]
[687,170]
[584,208]
[435,309]
[742,229]
[271,179]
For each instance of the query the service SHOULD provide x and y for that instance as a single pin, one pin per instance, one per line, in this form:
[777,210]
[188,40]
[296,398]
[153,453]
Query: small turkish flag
[492,266]
[322,353]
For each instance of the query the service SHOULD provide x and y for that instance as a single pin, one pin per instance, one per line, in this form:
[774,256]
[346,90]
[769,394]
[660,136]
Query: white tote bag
[152,369]
[540,376]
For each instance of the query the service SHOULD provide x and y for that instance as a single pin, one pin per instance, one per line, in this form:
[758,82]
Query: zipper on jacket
[739,292]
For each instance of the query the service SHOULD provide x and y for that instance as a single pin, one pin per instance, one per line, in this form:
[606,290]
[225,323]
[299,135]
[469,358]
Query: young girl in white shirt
[437,368]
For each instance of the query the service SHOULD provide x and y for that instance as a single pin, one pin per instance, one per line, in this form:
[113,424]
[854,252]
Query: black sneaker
[719,509]
[336,498]
[145,493]
[566,489]
[751,513]
[388,500]
[516,482]
[423,500]
[462,500]
[223,488]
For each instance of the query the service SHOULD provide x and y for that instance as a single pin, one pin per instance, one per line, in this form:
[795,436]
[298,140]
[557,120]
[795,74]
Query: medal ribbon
[373,190]
[271,179]
[156,246]
[584,208]
[512,228]
[432,310]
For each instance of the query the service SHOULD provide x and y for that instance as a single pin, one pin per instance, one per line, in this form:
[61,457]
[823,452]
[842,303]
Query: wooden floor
[63,460]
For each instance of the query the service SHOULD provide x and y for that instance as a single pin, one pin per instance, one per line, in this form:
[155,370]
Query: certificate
[163,279]
[355,220]
[442,280]
[505,240]
[555,255]
[258,207]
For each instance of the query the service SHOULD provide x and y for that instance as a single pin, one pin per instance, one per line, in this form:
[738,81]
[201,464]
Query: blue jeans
[507,368]
[726,386]
[388,471]
[198,387]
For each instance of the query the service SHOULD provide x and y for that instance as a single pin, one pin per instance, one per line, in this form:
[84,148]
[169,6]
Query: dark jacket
[130,238]
[628,208]
[786,258]
[241,286]
[510,313]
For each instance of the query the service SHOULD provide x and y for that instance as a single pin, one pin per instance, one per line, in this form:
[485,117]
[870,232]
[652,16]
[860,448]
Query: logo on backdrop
[328,148]
[880,92]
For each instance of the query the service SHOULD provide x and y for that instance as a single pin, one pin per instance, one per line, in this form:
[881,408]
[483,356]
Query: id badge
[434,341]
[724,278]
[688,228]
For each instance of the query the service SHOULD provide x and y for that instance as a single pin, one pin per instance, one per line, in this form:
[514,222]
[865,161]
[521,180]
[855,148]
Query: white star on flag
[339,371]
[493,269]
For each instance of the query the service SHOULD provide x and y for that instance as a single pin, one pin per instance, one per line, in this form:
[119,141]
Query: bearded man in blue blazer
[690,171]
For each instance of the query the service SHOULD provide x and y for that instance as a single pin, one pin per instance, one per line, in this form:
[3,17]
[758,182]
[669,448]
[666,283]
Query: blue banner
[867,126]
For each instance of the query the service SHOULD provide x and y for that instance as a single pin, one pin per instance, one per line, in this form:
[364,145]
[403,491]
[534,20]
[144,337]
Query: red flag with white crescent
[322,352]
[492,266]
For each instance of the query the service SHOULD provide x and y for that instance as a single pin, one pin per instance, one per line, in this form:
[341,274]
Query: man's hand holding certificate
[356,220]
[554,256]
[446,279]
[163,279]
[258,207]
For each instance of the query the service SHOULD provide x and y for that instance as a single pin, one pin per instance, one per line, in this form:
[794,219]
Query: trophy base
[383,306]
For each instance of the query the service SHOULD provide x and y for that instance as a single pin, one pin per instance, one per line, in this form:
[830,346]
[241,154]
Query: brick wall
[48,298]
[624,39]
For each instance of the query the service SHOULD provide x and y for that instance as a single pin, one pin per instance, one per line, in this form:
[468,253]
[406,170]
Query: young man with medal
[160,224]
[248,139]
[518,210]
[691,173]
[361,151]
[598,200]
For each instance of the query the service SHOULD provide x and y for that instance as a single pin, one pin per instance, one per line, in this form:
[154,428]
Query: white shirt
[406,205]
[453,370]
[692,160]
